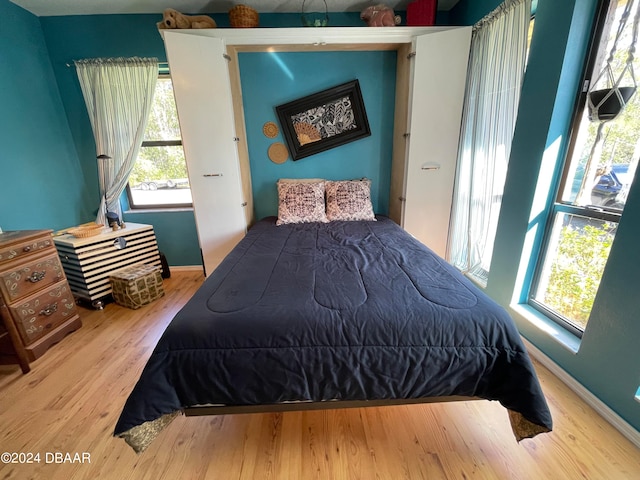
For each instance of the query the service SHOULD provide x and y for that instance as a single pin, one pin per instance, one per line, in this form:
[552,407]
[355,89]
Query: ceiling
[46,8]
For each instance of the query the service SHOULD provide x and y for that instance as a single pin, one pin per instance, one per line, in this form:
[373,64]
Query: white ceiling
[46,8]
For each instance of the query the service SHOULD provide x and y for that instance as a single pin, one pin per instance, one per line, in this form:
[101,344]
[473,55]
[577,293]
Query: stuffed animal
[173,19]
[380,16]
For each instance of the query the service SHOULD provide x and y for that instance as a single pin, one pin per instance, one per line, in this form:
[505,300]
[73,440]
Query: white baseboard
[594,402]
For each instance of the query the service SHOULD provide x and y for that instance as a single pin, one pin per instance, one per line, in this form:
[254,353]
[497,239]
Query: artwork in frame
[324,120]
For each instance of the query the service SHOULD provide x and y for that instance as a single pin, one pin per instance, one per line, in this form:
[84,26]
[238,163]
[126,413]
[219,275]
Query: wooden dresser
[36,304]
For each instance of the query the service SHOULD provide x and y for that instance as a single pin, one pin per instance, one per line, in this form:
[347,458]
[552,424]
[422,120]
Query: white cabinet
[203,98]
[439,79]
[430,82]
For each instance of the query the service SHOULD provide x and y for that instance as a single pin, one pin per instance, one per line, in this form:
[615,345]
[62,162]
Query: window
[159,177]
[598,173]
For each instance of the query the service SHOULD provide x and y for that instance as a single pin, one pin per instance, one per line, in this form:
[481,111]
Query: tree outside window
[159,178]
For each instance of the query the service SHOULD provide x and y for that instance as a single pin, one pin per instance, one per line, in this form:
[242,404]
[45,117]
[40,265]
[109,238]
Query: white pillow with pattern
[301,201]
[349,200]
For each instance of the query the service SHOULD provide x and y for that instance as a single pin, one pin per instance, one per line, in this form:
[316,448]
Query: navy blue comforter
[341,310]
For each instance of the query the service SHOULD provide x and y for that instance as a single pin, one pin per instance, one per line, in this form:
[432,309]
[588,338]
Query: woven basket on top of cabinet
[242,16]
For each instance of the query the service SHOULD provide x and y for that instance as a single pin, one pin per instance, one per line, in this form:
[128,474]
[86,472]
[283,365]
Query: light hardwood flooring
[71,399]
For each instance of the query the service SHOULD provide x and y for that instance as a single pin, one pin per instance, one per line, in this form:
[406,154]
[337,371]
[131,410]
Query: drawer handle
[27,249]
[35,277]
[49,309]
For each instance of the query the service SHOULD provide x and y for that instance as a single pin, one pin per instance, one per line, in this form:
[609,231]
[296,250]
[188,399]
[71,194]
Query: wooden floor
[67,406]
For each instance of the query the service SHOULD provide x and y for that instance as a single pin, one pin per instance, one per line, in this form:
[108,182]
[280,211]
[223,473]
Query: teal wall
[41,184]
[271,79]
[49,177]
[605,360]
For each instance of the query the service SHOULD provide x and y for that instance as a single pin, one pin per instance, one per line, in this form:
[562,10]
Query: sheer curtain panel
[118,93]
[494,78]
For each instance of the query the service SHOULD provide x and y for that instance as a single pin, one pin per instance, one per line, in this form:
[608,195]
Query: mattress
[336,311]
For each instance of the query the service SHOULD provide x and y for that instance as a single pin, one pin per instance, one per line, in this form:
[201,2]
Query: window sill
[548,326]
[133,211]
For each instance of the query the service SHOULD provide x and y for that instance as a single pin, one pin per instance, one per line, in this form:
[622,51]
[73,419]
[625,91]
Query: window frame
[162,74]
[580,103]
[558,206]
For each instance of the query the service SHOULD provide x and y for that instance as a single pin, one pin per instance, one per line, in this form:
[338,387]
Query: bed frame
[328,405]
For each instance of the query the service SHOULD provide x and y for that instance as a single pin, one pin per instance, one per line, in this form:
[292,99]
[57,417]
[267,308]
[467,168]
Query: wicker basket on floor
[242,16]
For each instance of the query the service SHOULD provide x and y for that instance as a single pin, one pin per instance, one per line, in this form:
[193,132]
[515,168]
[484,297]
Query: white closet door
[439,78]
[203,98]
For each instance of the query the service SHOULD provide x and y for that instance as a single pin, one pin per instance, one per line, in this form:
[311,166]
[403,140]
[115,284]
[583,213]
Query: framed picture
[324,120]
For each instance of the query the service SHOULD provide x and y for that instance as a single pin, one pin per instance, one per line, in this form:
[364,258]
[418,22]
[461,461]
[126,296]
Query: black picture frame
[324,120]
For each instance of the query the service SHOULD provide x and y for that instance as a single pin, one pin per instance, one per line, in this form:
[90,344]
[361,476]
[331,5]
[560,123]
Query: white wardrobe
[430,83]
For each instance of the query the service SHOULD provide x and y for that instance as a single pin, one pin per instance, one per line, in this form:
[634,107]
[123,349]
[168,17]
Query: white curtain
[496,67]
[118,93]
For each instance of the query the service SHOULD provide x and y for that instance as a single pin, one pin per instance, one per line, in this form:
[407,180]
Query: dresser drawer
[19,250]
[43,312]
[27,278]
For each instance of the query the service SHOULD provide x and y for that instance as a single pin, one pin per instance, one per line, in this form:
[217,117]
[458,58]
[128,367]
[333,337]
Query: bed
[331,314]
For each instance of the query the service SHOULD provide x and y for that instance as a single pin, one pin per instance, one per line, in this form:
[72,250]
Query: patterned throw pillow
[349,200]
[300,202]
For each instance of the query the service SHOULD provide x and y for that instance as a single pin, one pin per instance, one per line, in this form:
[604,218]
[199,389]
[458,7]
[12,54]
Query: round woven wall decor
[278,153]
[270,130]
